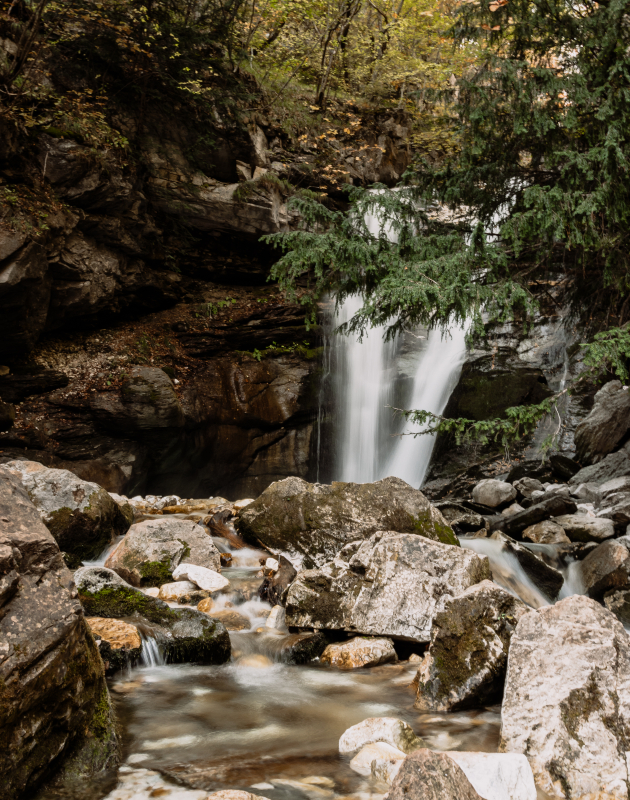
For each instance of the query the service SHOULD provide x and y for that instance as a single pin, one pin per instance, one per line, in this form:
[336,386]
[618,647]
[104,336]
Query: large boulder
[54,709]
[153,549]
[183,634]
[566,704]
[391,584]
[493,493]
[606,426]
[612,466]
[311,522]
[467,658]
[582,528]
[81,515]
[425,775]
[616,509]
[552,506]
[547,532]
[606,568]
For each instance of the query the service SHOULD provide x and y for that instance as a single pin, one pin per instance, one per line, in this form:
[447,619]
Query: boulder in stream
[81,515]
[467,659]
[391,584]
[359,652]
[583,528]
[153,549]
[311,522]
[391,730]
[425,775]
[552,505]
[547,532]
[119,642]
[184,634]
[55,711]
[566,704]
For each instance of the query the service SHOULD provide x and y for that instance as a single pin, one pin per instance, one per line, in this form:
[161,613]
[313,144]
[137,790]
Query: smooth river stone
[204,578]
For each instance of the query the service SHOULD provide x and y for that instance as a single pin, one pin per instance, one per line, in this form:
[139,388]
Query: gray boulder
[153,549]
[582,528]
[548,532]
[467,659]
[525,486]
[493,493]
[425,775]
[311,522]
[55,710]
[618,601]
[621,484]
[552,506]
[566,704]
[606,568]
[392,584]
[616,508]
[612,466]
[606,426]
[81,515]
[183,634]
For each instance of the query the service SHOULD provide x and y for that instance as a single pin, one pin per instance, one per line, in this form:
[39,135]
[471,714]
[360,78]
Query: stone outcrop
[425,775]
[554,505]
[81,515]
[612,466]
[566,704]
[391,584]
[312,522]
[548,532]
[358,653]
[153,549]
[183,634]
[467,659]
[606,427]
[55,710]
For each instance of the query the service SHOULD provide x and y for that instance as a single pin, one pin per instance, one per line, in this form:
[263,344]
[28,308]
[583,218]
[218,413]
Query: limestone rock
[525,486]
[232,620]
[277,619]
[391,584]
[607,567]
[551,506]
[205,606]
[49,713]
[497,776]
[152,550]
[606,426]
[431,776]
[312,522]
[378,751]
[467,659]
[493,493]
[172,592]
[616,508]
[359,652]
[621,484]
[394,732]
[582,528]
[386,766]
[81,515]
[208,579]
[566,704]
[119,643]
[547,532]
[183,634]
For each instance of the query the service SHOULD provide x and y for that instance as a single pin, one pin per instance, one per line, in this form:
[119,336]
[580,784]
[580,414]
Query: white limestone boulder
[493,493]
[377,751]
[391,730]
[497,776]
[207,579]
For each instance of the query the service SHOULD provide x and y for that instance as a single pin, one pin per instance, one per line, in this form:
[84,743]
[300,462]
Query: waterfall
[151,656]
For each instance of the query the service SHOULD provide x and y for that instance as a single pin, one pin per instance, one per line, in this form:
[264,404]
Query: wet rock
[547,532]
[497,776]
[312,522]
[389,585]
[205,605]
[431,776]
[81,515]
[232,620]
[567,699]
[51,716]
[606,568]
[493,493]
[378,751]
[618,601]
[359,652]
[394,732]
[606,426]
[552,506]
[153,549]
[118,642]
[124,505]
[274,586]
[207,579]
[300,648]
[582,528]
[277,619]
[467,659]
[525,486]
[172,592]
[548,579]
[184,634]
[612,466]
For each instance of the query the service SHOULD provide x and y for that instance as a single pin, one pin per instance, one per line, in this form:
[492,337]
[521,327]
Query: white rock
[493,493]
[391,730]
[362,762]
[272,565]
[152,591]
[239,504]
[497,776]
[145,784]
[204,578]
[359,652]
[171,592]
[276,619]
[566,704]
[385,767]
[163,502]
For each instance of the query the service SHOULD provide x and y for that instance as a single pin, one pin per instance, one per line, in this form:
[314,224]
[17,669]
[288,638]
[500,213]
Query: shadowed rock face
[425,775]
[391,584]
[55,709]
[606,427]
[312,522]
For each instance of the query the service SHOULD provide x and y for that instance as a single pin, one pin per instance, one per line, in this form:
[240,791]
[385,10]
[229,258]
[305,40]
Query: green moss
[425,525]
[156,573]
[119,602]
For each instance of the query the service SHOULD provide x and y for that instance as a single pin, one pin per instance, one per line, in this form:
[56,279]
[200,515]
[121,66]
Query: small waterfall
[152,656]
